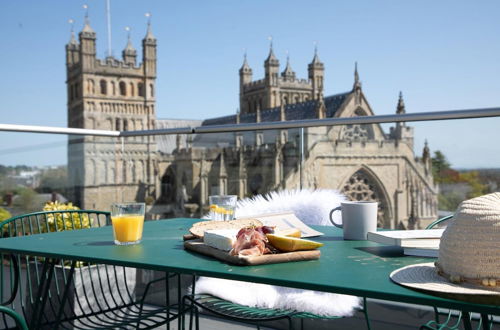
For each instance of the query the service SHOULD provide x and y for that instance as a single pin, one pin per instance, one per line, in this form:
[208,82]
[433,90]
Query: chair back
[96,287]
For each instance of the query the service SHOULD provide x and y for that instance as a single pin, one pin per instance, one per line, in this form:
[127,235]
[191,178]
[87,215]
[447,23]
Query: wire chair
[445,319]
[97,296]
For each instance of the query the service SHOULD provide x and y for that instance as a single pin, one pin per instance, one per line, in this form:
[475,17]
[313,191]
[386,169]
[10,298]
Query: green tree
[439,165]
[27,200]
[53,179]
[472,178]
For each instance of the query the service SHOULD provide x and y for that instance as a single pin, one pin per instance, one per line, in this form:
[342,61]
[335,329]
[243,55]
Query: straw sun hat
[468,267]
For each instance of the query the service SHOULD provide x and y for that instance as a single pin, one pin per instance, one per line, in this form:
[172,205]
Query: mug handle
[338,208]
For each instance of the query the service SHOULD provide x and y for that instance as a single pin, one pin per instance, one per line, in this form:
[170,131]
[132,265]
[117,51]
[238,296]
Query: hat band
[486,282]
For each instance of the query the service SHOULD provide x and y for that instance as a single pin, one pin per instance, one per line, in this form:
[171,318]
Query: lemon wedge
[289,244]
[290,232]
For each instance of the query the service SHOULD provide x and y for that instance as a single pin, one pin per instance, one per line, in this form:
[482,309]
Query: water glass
[222,207]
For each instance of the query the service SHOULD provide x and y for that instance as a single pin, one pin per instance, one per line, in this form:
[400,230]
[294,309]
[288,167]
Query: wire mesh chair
[85,296]
[252,315]
[449,319]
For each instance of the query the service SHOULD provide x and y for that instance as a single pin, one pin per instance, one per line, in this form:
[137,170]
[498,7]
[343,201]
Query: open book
[421,252]
[284,221]
[426,238]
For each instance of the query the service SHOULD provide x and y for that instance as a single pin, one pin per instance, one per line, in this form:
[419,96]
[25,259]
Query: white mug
[358,218]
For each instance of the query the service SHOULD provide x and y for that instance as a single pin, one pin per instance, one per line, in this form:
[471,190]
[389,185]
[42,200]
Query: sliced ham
[250,241]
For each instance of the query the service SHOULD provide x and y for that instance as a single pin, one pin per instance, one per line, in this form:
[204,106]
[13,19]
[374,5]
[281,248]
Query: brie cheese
[222,239]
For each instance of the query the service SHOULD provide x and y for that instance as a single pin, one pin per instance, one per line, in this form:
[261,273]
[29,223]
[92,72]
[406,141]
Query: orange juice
[128,228]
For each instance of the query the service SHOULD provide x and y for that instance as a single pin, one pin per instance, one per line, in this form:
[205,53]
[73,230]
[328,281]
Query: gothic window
[152,90]
[104,87]
[362,187]
[125,125]
[297,99]
[140,89]
[132,91]
[117,124]
[123,89]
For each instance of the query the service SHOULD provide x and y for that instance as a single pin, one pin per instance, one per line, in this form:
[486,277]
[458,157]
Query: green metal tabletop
[358,268]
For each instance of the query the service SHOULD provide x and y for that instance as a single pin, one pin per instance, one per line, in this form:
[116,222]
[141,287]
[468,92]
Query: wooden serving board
[200,247]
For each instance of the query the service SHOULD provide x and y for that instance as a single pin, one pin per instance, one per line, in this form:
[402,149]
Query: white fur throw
[313,208]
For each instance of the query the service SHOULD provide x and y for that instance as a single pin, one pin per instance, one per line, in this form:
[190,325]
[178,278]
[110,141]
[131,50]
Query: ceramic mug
[358,218]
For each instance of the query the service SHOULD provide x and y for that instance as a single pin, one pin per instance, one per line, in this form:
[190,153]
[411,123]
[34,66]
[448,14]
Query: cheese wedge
[222,239]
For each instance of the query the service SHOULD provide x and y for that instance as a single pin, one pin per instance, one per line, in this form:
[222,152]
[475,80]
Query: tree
[27,200]
[53,179]
[439,166]
[477,188]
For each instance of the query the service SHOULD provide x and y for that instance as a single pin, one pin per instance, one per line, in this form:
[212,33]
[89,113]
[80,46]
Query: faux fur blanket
[313,208]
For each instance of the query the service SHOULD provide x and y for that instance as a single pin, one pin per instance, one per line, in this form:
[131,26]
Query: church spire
[86,27]
[149,33]
[357,83]
[245,67]
[288,73]
[129,53]
[271,58]
[72,40]
[426,152]
[316,61]
[401,105]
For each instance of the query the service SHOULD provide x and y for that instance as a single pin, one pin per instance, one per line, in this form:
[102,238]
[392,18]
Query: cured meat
[250,241]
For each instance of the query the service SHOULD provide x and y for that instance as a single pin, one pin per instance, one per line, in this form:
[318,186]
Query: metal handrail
[377,119]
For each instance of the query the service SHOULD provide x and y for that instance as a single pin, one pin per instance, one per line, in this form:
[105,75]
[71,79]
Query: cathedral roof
[296,111]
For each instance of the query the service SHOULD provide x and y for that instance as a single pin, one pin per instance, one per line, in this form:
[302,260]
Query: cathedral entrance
[362,186]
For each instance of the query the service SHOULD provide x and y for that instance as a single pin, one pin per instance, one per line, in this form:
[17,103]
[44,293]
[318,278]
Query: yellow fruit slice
[289,244]
[290,232]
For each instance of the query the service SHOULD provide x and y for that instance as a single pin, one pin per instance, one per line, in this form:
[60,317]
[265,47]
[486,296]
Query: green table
[358,268]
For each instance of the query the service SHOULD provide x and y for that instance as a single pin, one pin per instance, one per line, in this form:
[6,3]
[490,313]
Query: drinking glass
[222,207]
[128,222]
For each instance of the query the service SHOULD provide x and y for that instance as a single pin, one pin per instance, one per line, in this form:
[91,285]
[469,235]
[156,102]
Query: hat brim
[424,277]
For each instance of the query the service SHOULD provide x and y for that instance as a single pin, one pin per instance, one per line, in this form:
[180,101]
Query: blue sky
[443,55]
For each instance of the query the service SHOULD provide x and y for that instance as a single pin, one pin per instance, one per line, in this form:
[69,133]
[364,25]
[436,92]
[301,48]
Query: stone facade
[179,173]
[110,94]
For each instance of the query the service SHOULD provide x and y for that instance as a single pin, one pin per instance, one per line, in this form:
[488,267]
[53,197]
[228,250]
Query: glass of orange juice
[128,221]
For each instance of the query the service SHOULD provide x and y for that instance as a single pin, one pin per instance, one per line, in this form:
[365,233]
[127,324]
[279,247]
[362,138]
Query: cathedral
[175,175]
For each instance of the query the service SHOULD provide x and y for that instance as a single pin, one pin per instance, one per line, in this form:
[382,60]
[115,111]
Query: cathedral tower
[110,94]
[274,89]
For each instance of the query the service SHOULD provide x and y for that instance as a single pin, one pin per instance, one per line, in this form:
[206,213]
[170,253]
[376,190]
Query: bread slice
[199,228]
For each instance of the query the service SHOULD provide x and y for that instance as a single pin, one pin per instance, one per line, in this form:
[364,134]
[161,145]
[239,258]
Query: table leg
[486,321]
[65,295]
[466,320]
[43,292]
